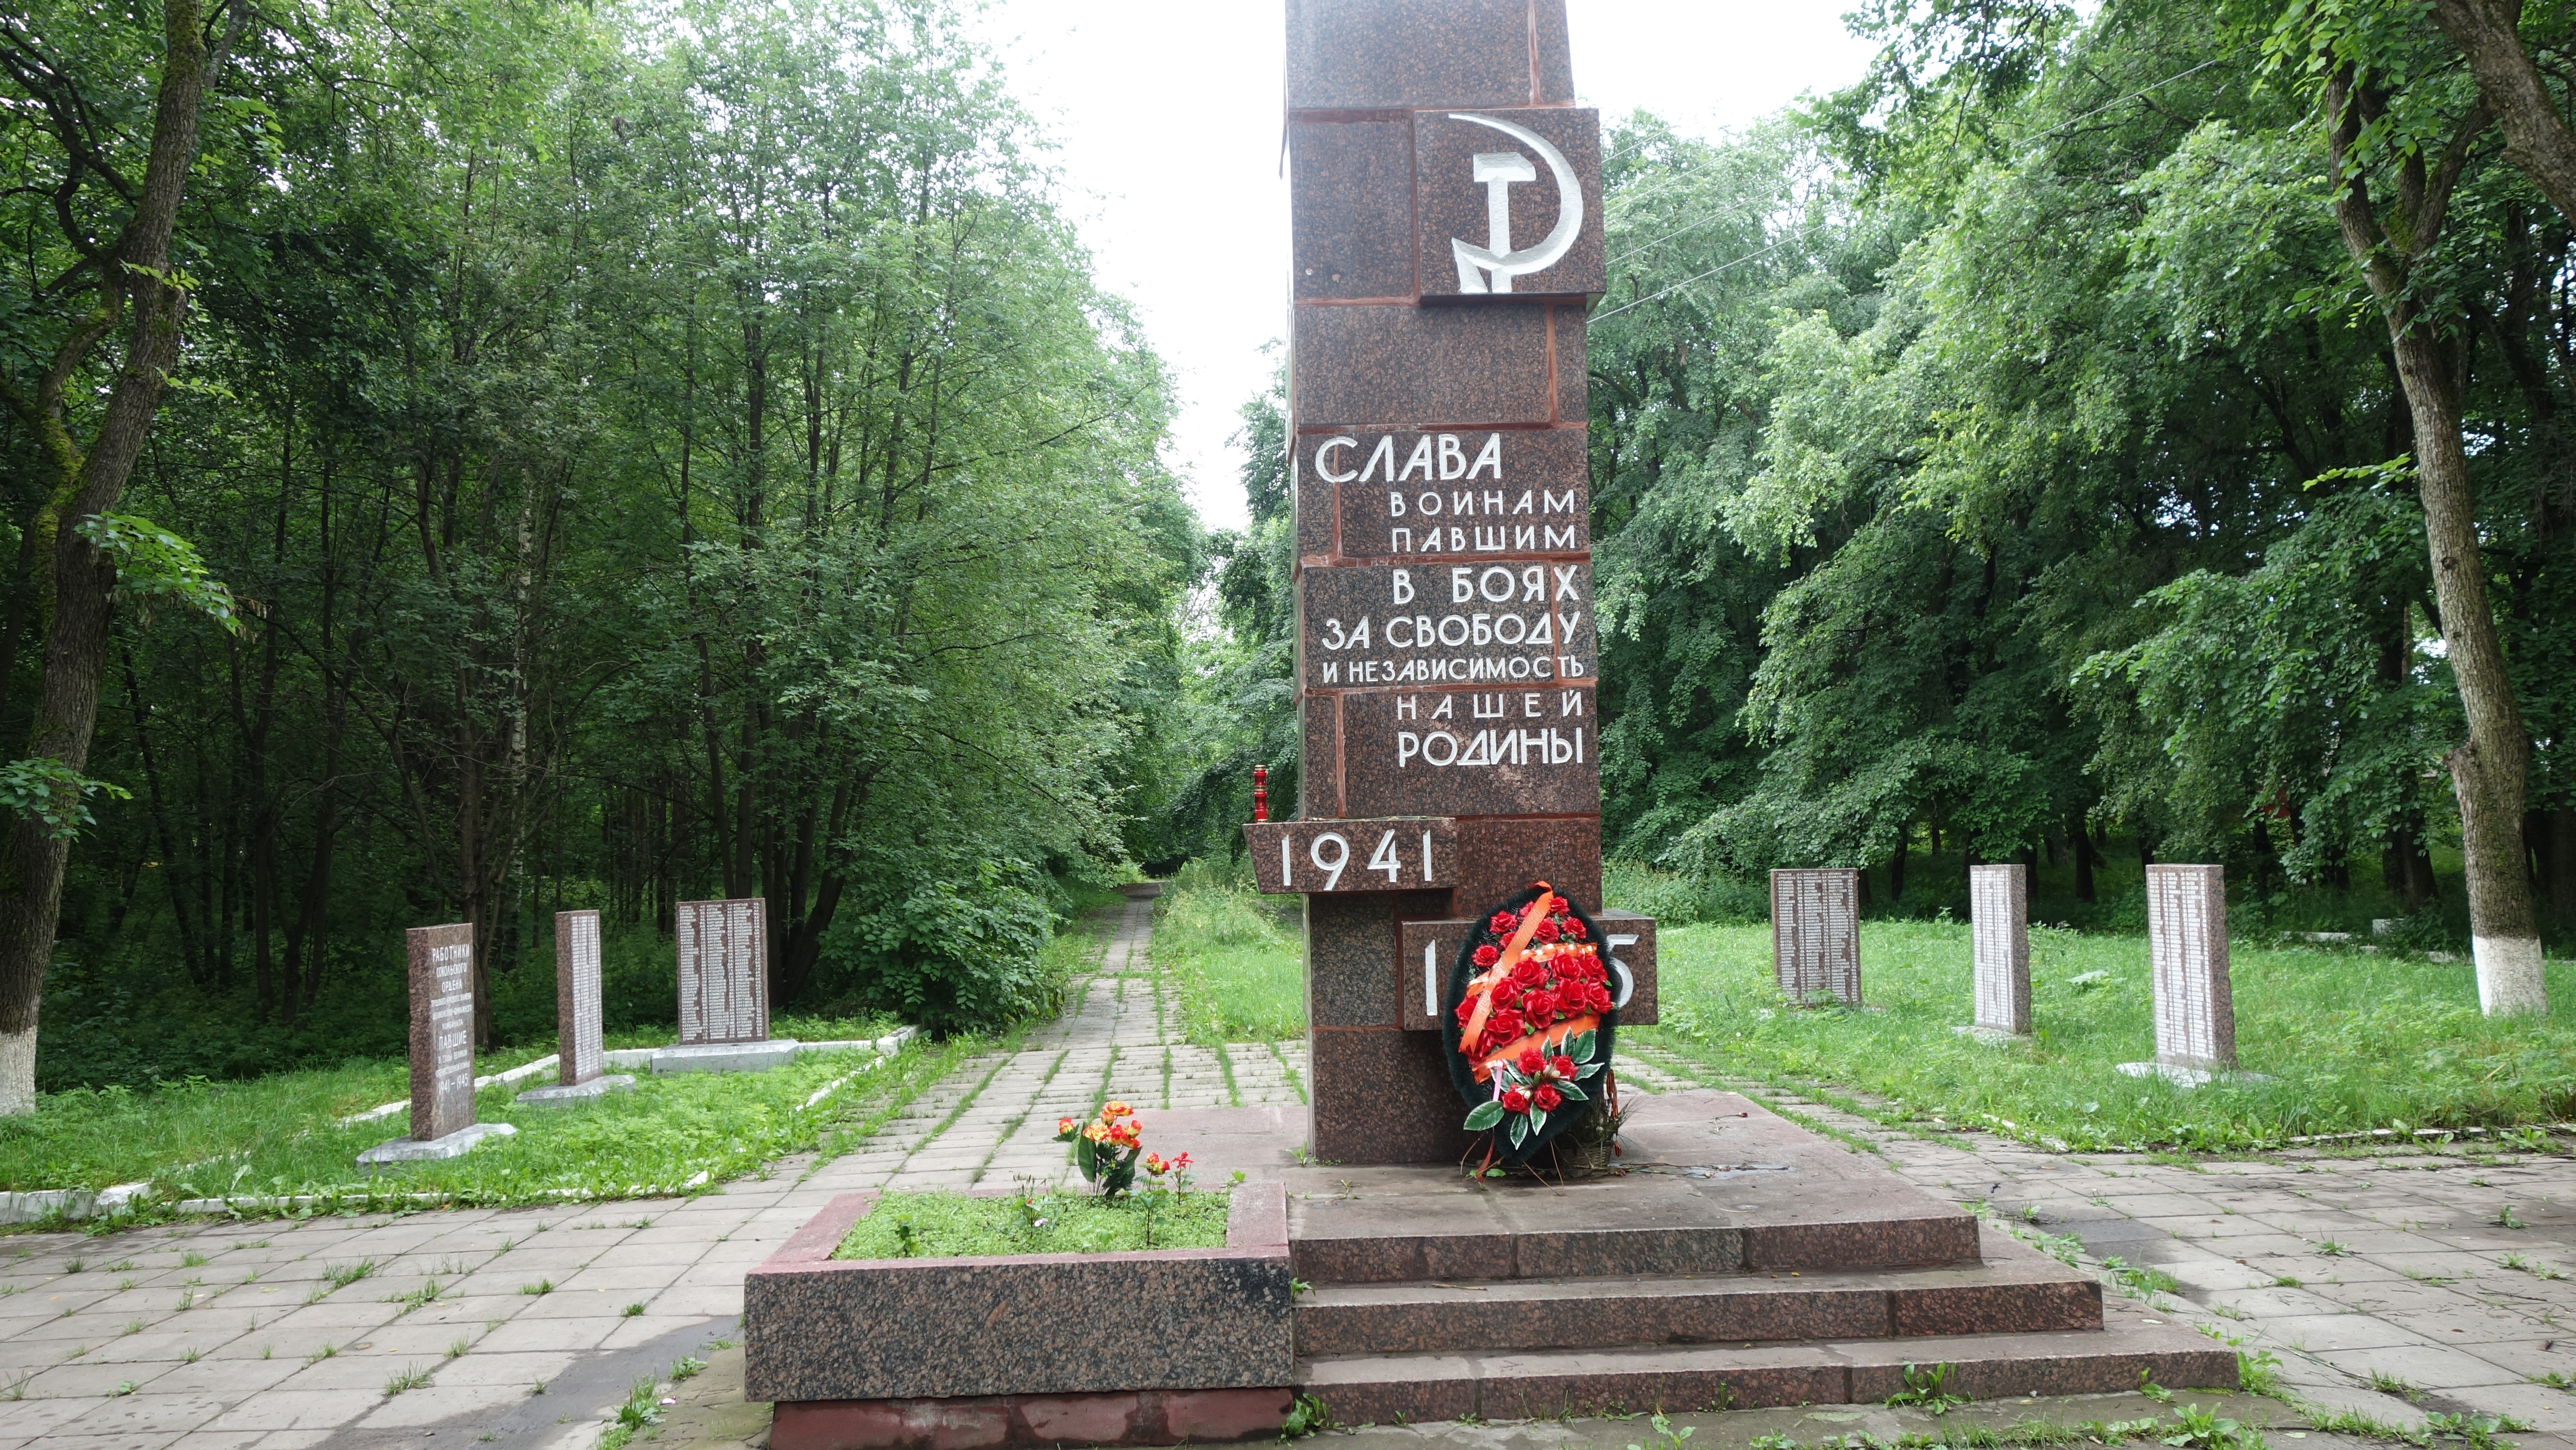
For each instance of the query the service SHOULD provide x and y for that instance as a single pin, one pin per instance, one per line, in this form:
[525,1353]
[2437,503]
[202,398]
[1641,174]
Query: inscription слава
[1378,494]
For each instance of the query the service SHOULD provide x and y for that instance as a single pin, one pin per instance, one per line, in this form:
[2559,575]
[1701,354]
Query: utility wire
[1686,281]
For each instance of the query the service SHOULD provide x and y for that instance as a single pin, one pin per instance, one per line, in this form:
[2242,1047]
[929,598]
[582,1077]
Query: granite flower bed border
[1152,1347]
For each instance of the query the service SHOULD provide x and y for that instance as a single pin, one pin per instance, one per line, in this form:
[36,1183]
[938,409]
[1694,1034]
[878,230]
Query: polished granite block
[1435,498]
[1319,769]
[1350,209]
[1549,195]
[1401,755]
[1328,857]
[1135,1417]
[826,1329]
[1358,55]
[1350,961]
[1438,368]
[1382,1095]
[1498,856]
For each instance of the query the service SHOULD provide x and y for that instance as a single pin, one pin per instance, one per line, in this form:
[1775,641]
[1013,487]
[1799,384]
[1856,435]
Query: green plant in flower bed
[962,1226]
[2352,1042]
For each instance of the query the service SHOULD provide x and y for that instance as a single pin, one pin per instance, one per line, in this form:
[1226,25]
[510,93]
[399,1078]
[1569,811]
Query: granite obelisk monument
[1445,200]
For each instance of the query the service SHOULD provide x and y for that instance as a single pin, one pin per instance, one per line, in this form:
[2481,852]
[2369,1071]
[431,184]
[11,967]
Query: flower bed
[969,1226]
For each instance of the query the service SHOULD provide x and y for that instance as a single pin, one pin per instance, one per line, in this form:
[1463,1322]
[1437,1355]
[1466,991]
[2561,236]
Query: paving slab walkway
[285,1335]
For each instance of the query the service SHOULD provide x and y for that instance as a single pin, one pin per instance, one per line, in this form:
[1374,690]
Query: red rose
[1466,1009]
[1528,973]
[1547,1098]
[1541,1007]
[1487,955]
[1574,927]
[1504,1026]
[1562,1066]
[1546,932]
[1529,1062]
[1503,923]
[1515,1101]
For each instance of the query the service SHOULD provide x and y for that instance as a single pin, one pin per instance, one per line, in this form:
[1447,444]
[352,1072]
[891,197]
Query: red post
[1261,792]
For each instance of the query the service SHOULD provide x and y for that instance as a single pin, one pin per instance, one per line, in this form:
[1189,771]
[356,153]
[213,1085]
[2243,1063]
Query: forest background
[679,450]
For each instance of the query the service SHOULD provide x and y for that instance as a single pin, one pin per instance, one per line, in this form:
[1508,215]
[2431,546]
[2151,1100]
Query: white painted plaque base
[422,1150]
[725,1056]
[2189,1077]
[559,1095]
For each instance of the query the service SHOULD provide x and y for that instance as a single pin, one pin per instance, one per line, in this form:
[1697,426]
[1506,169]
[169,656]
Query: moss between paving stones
[960,1226]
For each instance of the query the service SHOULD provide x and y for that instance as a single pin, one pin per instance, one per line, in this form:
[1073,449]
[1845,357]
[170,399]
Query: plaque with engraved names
[1378,626]
[724,971]
[1999,945]
[441,960]
[2195,1004]
[577,1023]
[1815,936]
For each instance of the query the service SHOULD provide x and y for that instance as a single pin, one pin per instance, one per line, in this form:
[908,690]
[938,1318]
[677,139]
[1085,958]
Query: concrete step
[2024,1292]
[1548,1383]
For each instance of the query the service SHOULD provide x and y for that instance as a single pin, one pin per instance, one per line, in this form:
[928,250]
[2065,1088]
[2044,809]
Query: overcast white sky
[1166,113]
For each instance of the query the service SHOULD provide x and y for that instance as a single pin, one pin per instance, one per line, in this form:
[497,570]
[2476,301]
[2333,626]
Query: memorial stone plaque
[724,971]
[577,1024]
[442,1029]
[1439,455]
[2187,961]
[1999,940]
[1815,935]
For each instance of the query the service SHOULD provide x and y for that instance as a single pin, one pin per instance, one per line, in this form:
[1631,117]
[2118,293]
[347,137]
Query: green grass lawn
[281,1136]
[964,1226]
[1237,961]
[2353,1041]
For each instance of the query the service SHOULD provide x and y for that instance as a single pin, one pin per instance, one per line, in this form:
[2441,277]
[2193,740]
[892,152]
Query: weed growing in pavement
[410,1379]
[328,1351]
[2421,1277]
[2285,1281]
[1666,1437]
[2140,1281]
[2504,1219]
[134,1326]
[191,1355]
[2331,1249]
[542,1286]
[634,1310]
[190,1258]
[1928,1389]
[2533,1267]
[686,1368]
[456,1348]
[71,1266]
[2389,1384]
[121,1266]
[427,1293]
[1306,1415]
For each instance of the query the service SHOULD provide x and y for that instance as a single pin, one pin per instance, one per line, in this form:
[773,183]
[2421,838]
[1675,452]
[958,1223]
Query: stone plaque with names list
[724,971]
[1815,935]
[1999,943]
[442,1029]
[2187,962]
[577,1023]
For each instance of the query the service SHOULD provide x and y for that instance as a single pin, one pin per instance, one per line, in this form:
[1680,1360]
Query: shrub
[957,952]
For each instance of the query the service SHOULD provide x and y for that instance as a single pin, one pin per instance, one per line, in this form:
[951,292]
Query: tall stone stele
[1815,936]
[1445,199]
[1999,943]
[580,1062]
[723,951]
[442,1050]
[2187,962]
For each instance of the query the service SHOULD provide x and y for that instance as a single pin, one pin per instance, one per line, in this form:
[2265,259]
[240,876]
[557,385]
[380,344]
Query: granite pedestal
[725,1056]
[556,1095]
[425,1150]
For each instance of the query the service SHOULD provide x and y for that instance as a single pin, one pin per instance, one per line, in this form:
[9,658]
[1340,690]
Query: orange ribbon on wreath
[1482,986]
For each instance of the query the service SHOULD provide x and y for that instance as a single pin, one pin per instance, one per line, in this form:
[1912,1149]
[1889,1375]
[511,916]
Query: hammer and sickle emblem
[1496,171]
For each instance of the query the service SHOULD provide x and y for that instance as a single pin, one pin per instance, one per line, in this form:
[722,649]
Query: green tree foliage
[660,453]
[2007,449]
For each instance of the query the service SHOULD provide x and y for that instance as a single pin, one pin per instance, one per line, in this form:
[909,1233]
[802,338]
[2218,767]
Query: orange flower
[1154,1164]
[1097,1132]
[1063,1126]
[1116,1110]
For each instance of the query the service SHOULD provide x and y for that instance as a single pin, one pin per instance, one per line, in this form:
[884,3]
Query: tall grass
[1236,958]
[2351,1041]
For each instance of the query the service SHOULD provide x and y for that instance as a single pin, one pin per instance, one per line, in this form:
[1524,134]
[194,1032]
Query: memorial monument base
[725,1056]
[1991,1036]
[1740,1261]
[425,1150]
[558,1095]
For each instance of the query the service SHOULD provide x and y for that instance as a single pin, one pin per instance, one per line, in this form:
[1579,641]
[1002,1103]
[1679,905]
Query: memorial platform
[1740,1261]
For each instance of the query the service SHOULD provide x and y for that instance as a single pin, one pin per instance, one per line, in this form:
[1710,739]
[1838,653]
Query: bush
[1676,899]
[958,952]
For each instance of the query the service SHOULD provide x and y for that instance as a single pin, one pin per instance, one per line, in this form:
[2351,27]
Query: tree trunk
[2490,771]
[2538,140]
[82,576]
[2560,885]
[2083,845]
